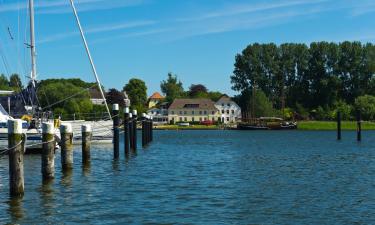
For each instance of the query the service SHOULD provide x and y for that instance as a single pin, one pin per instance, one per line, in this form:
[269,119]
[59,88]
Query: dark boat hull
[254,127]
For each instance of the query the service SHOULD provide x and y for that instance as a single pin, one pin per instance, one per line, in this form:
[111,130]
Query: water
[207,177]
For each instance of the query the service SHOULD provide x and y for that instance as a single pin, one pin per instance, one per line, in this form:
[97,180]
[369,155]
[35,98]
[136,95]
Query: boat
[26,102]
[267,123]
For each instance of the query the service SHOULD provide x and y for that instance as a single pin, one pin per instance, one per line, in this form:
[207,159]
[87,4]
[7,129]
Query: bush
[366,105]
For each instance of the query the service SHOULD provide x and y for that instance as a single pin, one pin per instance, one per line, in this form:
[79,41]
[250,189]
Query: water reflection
[47,196]
[16,210]
[66,178]
[86,168]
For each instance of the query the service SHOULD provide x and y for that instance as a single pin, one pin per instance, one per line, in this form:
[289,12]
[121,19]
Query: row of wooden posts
[16,145]
[359,126]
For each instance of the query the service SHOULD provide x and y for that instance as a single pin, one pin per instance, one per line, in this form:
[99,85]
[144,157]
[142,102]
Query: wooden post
[151,129]
[16,151]
[338,125]
[66,132]
[131,131]
[359,128]
[48,151]
[116,131]
[135,130]
[86,142]
[143,130]
[147,129]
[126,131]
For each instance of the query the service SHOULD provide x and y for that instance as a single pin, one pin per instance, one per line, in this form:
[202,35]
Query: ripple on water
[207,177]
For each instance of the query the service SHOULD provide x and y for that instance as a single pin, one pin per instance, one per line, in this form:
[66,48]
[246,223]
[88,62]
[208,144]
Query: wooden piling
[48,151]
[126,131]
[116,131]
[66,132]
[135,130]
[131,131]
[143,130]
[86,142]
[151,129]
[338,125]
[359,127]
[16,142]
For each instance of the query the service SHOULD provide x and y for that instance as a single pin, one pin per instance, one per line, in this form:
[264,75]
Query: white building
[229,110]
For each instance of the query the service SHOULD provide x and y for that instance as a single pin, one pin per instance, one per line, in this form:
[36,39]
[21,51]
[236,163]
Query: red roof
[156,95]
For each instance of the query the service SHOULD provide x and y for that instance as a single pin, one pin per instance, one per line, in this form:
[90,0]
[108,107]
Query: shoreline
[302,125]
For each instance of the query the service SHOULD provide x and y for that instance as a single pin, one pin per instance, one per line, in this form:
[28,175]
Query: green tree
[172,88]
[4,83]
[214,95]
[15,82]
[64,98]
[137,91]
[366,105]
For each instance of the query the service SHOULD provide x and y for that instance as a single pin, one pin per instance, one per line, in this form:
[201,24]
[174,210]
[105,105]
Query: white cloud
[98,29]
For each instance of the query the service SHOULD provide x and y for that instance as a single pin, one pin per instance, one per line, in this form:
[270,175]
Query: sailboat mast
[32,43]
[90,58]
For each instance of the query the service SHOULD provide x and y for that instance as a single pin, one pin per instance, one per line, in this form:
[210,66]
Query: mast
[89,55]
[32,43]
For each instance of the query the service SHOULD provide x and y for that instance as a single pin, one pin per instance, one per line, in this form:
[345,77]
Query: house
[229,110]
[192,110]
[95,96]
[155,99]
[160,114]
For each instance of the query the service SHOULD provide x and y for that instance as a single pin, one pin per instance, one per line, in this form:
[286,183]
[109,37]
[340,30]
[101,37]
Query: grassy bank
[331,125]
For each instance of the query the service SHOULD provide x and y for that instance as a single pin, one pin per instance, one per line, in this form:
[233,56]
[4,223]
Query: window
[222,104]
[180,112]
[185,112]
[228,104]
[227,118]
[228,111]
[232,111]
[180,118]
[185,119]
[205,112]
[213,112]
[192,119]
[222,111]
[200,112]
[172,112]
[200,118]
[192,112]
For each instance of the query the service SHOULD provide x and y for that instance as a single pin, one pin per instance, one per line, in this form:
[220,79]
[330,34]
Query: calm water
[207,177]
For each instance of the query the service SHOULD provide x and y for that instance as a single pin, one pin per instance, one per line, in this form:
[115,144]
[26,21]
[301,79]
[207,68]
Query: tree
[114,96]
[4,83]
[171,88]
[214,95]
[15,82]
[198,91]
[55,96]
[137,91]
[366,105]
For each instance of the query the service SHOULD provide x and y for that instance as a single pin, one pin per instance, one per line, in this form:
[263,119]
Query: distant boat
[267,123]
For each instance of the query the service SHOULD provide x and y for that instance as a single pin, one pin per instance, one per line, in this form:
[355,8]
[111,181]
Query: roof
[201,103]
[225,98]
[95,93]
[156,95]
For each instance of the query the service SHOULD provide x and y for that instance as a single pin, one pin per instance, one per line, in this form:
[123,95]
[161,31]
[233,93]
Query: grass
[332,125]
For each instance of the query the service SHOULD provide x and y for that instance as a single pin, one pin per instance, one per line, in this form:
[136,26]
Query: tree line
[312,81]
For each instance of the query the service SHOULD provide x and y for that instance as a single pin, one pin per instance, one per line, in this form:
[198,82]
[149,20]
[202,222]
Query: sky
[195,39]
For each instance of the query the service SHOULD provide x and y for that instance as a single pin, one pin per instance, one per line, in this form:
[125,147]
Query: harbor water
[206,177]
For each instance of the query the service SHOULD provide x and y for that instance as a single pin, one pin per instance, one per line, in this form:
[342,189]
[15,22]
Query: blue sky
[195,39]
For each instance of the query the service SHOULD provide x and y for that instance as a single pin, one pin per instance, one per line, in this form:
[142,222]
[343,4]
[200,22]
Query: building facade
[154,99]
[192,110]
[229,110]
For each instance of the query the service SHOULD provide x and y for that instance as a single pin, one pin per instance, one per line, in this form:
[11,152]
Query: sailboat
[26,102]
